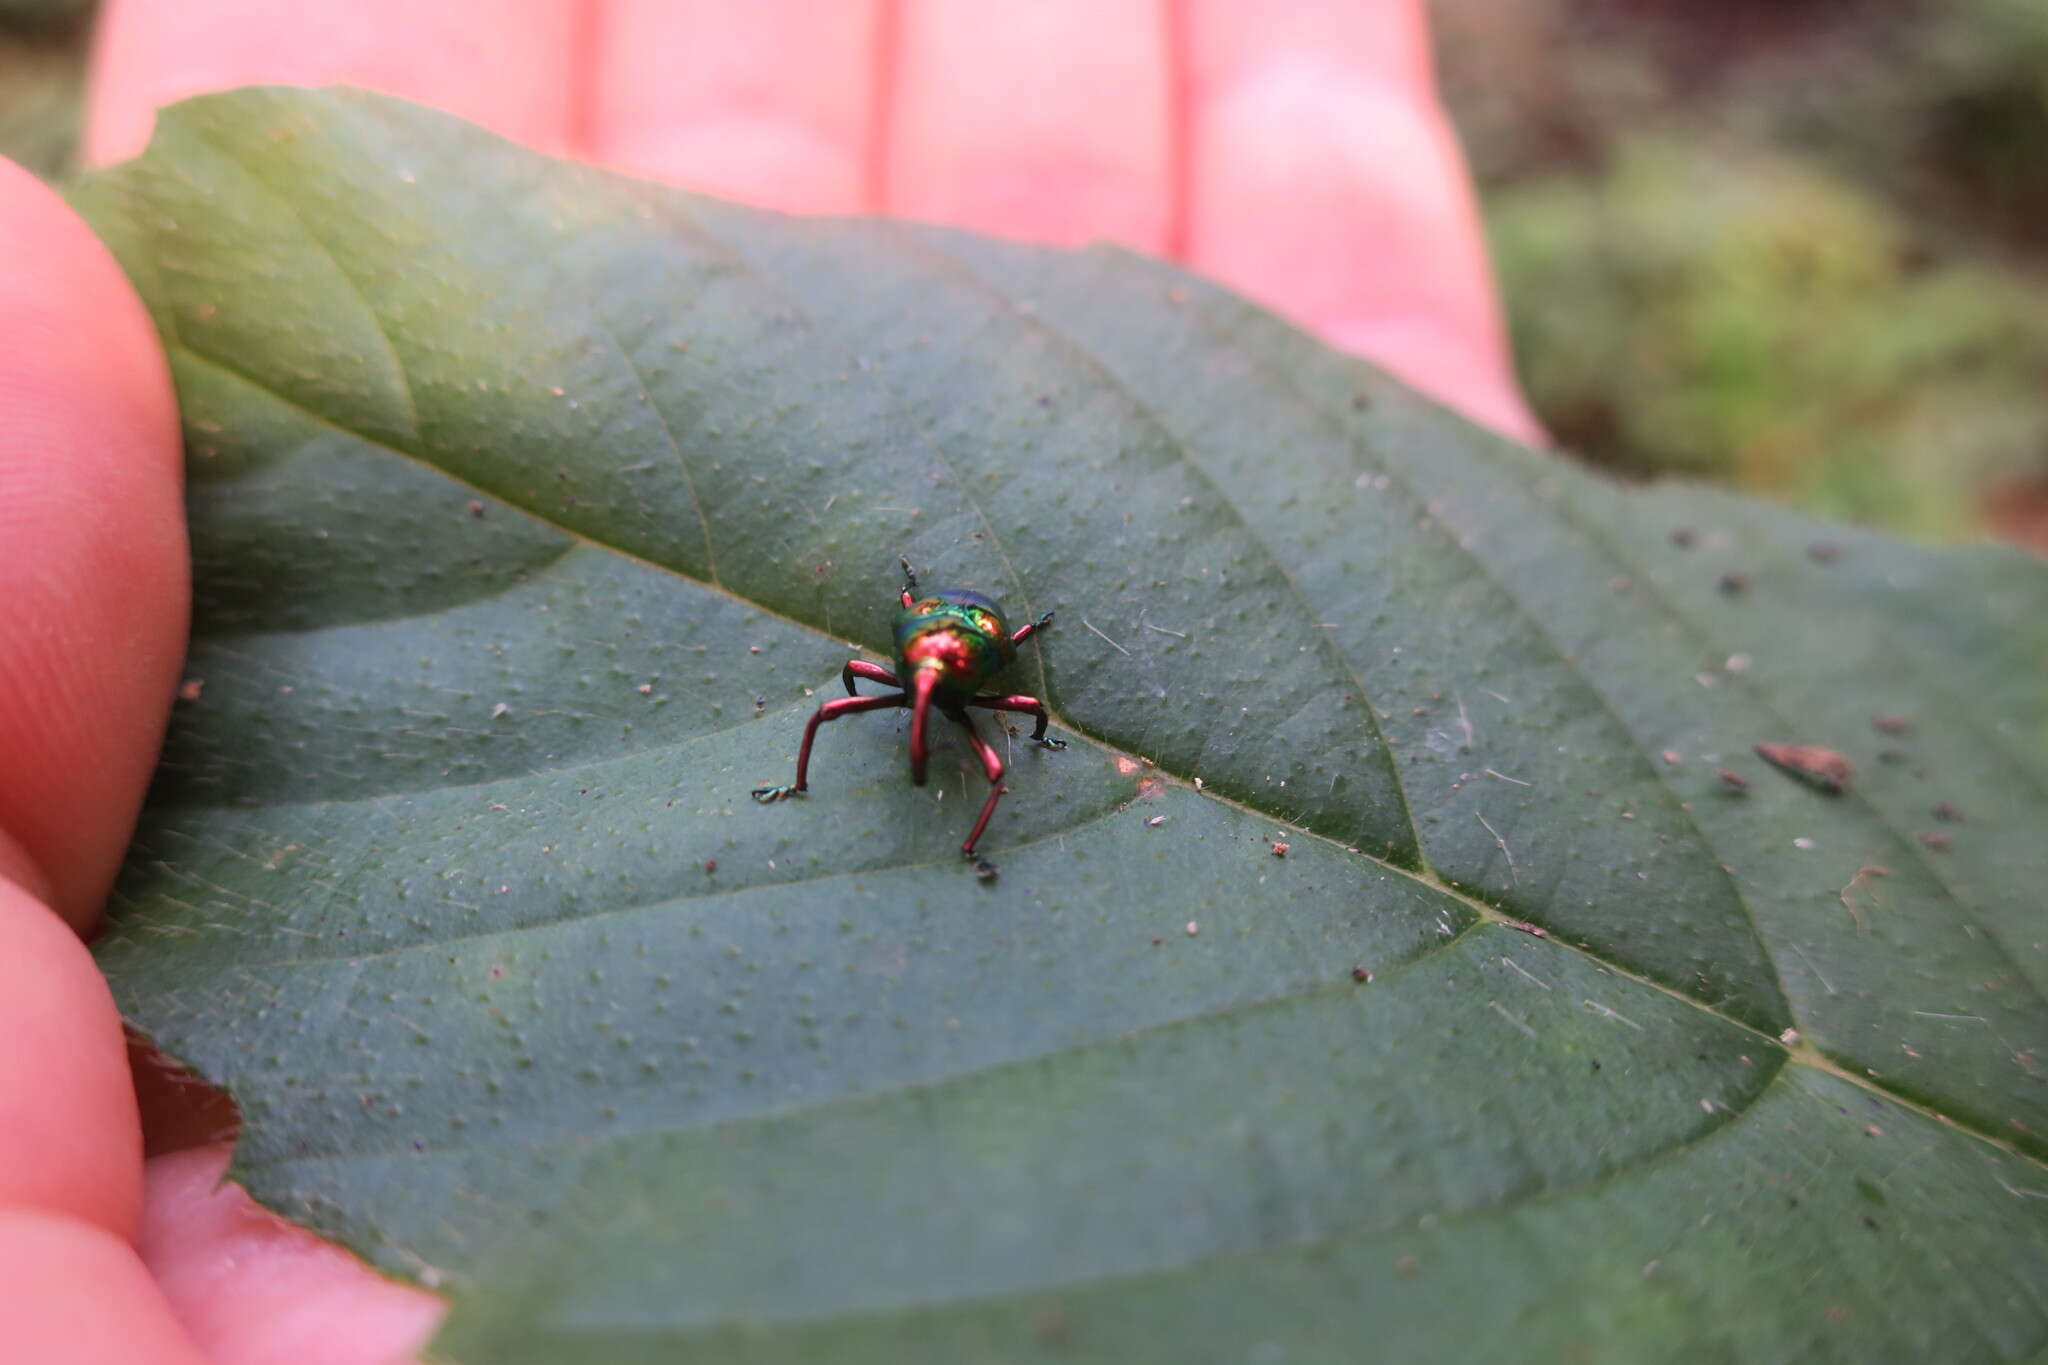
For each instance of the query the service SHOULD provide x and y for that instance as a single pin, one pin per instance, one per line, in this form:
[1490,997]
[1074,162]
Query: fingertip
[249,1286]
[92,546]
[773,102]
[70,1136]
[983,137]
[513,75]
[77,1293]
[1326,182]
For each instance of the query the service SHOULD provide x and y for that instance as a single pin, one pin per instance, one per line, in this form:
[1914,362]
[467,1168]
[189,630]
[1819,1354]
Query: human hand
[1292,150]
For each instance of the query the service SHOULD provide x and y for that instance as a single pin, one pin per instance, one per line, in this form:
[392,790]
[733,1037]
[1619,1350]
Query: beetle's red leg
[861,668]
[1027,630]
[1030,706]
[831,710]
[992,764]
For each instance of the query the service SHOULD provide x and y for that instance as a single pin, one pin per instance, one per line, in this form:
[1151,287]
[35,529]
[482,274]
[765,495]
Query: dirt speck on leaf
[1823,769]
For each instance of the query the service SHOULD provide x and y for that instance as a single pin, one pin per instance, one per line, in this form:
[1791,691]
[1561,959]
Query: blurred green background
[1795,246]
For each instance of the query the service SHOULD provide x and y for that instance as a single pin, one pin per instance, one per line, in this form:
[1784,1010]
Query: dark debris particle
[986,870]
[1937,841]
[1824,551]
[1890,756]
[1732,780]
[1885,723]
[710,866]
[1823,769]
[1360,402]
[1947,813]
[1684,537]
[476,508]
[1360,975]
[1733,583]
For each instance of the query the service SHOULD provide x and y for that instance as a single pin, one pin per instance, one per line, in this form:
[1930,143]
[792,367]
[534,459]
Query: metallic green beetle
[948,644]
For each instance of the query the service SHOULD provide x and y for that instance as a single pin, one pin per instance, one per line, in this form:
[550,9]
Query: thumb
[92,578]
[92,551]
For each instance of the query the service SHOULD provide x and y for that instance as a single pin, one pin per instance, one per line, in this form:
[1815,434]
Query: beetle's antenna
[921,686]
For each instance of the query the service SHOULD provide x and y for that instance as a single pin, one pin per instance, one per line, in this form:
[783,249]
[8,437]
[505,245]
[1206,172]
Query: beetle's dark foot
[1050,743]
[985,869]
[766,794]
[1043,621]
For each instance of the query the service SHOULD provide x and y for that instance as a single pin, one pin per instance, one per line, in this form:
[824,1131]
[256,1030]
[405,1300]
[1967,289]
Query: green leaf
[535,510]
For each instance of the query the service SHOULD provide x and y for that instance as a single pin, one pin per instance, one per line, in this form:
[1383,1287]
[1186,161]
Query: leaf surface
[535,509]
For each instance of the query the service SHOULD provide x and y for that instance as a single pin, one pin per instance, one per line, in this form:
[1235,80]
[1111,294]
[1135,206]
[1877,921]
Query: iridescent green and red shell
[960,636]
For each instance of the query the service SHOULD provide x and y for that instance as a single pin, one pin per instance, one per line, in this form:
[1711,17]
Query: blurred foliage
[32,16]
[1729,314]
[42,76]
[1801,246]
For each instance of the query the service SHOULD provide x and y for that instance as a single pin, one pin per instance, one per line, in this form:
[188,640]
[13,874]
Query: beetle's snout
[921,684]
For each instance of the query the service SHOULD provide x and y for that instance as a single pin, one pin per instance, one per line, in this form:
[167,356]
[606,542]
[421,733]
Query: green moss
[1725,312]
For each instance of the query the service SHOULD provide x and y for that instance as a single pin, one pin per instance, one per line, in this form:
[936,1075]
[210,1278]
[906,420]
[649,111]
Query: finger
[92,547]
[1046,121]
[77,1293]
[249,1286]
[70,1141]
[512,72]
[772,102]
[1324,181]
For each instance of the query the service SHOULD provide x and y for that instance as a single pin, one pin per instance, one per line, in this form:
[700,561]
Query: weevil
[948,643]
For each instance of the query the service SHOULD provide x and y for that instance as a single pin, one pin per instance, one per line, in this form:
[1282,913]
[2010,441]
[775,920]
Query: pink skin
[1294,150]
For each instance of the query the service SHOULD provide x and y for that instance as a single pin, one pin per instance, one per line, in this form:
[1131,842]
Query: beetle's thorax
[956,634]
